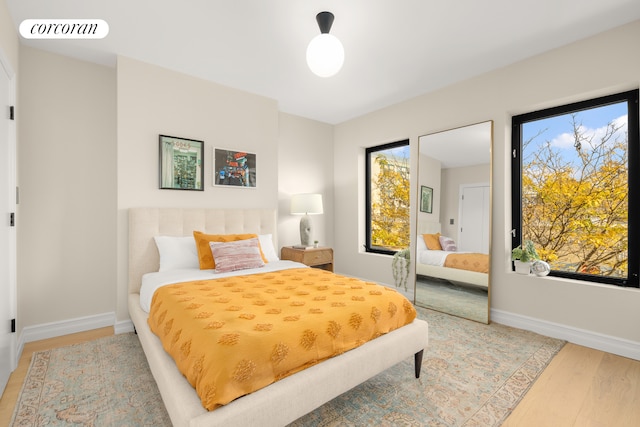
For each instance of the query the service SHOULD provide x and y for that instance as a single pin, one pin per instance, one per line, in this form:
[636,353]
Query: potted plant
[400,267]
[523,256]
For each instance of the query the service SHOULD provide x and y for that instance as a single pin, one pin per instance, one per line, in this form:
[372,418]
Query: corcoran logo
[64,29]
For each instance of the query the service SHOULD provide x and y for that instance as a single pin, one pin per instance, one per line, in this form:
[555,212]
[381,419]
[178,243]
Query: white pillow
[177,252]
[266,244]
[237,255]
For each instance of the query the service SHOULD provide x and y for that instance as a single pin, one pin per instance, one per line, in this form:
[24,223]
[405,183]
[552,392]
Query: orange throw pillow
[432,241]
[205,256]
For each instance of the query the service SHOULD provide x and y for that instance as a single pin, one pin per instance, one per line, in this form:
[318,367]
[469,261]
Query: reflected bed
[435,262]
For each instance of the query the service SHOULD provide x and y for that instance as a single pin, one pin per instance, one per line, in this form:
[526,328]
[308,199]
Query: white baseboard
[123,326]
[64,327]
[610,344]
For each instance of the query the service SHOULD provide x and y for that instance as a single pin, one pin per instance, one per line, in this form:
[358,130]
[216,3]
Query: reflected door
[474,219]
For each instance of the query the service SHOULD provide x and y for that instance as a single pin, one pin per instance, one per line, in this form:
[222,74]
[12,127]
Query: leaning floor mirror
[453,236]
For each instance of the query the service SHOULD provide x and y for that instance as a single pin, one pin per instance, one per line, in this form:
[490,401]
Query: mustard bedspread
[468,261]
[233,336]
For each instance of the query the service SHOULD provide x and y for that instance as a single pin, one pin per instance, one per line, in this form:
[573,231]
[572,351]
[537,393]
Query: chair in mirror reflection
[453,236]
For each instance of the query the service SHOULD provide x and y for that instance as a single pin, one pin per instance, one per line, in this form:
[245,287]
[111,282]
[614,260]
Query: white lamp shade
[325,55]
[306,204]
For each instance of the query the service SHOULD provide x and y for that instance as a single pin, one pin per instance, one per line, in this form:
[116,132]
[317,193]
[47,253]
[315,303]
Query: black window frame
[368,152]
[631,97]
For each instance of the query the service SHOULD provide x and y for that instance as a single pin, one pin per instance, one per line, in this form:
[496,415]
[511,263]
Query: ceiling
[460,147]
[394,50]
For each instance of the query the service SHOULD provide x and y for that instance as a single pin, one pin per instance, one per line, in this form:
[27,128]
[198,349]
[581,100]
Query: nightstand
[313,257]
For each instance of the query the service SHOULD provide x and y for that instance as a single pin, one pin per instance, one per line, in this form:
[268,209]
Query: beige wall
[430,176]
[66,174]
[75,189]
[152,101]
[600,65]
[305,165]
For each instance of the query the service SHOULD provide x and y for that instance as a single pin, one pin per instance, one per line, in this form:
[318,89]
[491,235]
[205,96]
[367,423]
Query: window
[575,188]
[387,197]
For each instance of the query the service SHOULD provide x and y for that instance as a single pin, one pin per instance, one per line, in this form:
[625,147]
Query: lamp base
[305,230]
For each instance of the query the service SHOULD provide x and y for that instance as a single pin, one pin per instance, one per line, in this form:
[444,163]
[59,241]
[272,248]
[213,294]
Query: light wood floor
[581,387]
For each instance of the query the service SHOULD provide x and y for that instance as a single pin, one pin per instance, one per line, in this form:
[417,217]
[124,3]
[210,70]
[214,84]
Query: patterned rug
[472,375]
[105,382]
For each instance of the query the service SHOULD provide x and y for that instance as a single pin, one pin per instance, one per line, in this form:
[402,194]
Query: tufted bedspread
[232,336]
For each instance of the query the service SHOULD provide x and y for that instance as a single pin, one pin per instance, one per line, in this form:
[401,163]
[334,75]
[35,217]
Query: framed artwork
[181,163]
[234,168]
[426,199]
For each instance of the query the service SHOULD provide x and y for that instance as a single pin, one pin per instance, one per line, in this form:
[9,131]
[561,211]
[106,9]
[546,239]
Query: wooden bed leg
[418,361]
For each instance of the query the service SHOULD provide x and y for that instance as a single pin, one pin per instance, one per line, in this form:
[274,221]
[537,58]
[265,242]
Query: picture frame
[181,163]
[426,199]
[234,168]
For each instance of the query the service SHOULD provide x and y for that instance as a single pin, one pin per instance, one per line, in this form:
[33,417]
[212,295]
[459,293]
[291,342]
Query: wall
[592,67]
[152,101]
[430,176]
[8,36]
[452,179]
[305,165]
[66,174]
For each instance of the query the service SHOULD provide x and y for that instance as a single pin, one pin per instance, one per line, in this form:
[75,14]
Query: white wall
[305,165]
[597,66]
[8,36]
[67,179]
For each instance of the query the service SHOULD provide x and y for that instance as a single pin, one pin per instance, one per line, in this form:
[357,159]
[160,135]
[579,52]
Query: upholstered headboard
[428,227]
[145,223]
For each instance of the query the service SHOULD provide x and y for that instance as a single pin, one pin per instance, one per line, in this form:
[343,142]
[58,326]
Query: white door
[474,218]
[7,230]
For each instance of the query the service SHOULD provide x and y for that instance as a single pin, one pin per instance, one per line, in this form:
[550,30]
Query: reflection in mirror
[454,220]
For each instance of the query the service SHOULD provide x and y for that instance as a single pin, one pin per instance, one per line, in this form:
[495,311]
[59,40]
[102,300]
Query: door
[7,229]
[474,218]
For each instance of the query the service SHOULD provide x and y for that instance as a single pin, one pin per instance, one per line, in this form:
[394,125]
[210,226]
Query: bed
[432,263]
[283,401]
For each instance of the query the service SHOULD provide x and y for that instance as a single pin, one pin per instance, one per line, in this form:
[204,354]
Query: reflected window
[387,197]
[575,188]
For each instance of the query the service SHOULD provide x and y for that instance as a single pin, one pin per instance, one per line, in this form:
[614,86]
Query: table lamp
[305,205]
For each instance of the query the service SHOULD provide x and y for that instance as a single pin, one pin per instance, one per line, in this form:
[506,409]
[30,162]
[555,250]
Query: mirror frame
[436,198]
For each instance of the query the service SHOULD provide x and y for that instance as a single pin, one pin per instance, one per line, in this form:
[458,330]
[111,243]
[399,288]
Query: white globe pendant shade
[325,55]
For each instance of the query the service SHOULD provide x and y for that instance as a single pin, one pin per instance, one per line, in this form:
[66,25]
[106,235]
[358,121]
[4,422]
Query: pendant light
[325,54]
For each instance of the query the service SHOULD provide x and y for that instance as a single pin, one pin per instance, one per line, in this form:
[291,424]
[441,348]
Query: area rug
[472,375]
[105,382]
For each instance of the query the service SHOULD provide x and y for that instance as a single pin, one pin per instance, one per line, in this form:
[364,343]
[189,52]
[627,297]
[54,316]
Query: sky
[559,129]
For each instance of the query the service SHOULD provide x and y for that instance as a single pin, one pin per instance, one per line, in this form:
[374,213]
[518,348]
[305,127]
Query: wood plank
[557,397]
[613,396]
